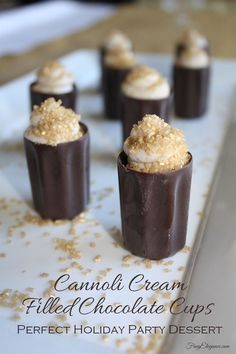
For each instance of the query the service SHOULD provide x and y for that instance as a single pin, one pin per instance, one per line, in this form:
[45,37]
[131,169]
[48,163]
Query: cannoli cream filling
[144,82]
[120,59]
[193,58]
[193,37]
[54,78]
[53,124]
[117,40]
[154,146]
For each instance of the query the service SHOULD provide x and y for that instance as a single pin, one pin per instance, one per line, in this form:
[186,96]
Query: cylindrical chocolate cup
[59,177]
[113,99]
[102,52]
[135,109]
[191,88]
[180,47]
[154,209]
[68,99]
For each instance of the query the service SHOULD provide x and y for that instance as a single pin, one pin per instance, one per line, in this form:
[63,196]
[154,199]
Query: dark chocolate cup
[135,109]
[180,47]
[102,52]
[59,177]
[68,99]
[154,209]
[113,98]
[191,88]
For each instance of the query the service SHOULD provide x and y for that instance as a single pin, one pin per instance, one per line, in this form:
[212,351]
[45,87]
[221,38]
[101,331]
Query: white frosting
[54,78]
[193,37]
[120,59]
[146,83]
[193,58]
[117,40]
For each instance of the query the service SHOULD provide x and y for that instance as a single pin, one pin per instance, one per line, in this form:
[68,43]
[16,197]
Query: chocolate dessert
[155,172]
[145,91]
[192,37]
[53,80]
[57,152]
[191,77]
[116,41]
[117,66]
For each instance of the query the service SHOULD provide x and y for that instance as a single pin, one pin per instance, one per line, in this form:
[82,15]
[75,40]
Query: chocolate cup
[113,98]
[102,52]
[135,109]
[154,209]
[68,99]
[180,47]
[59,177]
[191,88]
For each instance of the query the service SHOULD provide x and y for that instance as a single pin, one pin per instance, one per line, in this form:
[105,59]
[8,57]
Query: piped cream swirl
[192,37]
[120,59]
[144,82]
[194,58]
[53,124]
[154,146]
[117,40]
[53,78]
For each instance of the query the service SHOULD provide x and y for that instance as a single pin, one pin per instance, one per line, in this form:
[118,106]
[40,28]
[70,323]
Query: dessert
[144,91]
[116,41]
[116,66]
[155,172]
[53,80]
[191,76]
[57,153]
[192,37]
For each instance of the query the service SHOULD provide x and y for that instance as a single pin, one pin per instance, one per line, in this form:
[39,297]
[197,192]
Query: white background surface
[202,136]
[213,278]
[29,26]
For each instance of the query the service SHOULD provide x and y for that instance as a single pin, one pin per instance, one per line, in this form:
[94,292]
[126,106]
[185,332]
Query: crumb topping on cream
[53,124]
[154,146]
[120,59]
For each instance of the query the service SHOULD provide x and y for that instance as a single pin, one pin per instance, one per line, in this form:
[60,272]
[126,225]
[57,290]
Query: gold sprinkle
[105,338]
[201,214]
[97,259]
[186,249]
[44,275]
[181,269]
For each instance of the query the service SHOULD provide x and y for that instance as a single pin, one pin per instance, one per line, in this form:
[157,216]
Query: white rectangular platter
[33,254]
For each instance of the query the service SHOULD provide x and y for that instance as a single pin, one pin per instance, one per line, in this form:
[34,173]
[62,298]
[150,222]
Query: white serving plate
[30,254]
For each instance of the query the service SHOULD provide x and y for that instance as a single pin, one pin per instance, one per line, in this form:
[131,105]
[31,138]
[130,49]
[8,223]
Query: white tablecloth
[29,26]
